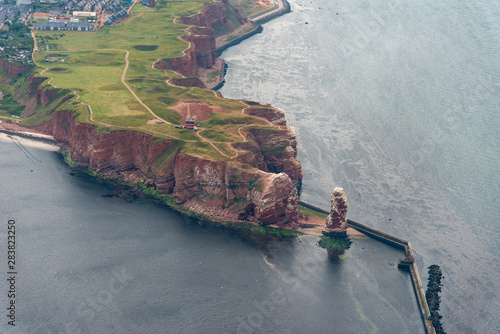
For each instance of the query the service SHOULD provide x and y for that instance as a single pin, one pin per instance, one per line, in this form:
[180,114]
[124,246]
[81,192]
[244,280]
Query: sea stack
[336,222]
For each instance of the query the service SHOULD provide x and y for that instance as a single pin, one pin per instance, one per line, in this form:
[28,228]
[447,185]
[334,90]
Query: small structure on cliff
[190,123]
[336,222]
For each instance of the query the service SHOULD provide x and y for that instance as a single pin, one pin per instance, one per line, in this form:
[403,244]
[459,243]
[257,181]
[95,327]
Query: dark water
[398,103]
[90,264]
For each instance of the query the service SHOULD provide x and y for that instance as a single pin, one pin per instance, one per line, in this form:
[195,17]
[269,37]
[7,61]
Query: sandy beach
[34,141]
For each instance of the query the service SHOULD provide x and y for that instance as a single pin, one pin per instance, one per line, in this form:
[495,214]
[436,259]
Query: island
[127,91]
[129,98]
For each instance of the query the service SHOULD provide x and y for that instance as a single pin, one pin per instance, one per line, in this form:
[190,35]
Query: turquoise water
[400,105]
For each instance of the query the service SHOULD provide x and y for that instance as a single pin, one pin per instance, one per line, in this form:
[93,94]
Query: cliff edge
[138,113]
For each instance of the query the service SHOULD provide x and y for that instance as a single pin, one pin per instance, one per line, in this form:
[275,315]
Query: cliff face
[277,202]
[271,150]
[212,14]
[188,82]
[273,115]
[13,70]
[186,65]
[233,193]
[204,45]
[115,152]
[258,187]
[44,96]
[201,53]
[216,188]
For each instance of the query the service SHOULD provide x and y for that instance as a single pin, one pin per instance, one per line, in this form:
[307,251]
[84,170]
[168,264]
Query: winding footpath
[158,118]
[130,89]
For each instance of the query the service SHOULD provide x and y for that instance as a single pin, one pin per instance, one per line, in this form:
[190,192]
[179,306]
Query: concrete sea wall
[222,48]
[412,266]
[283,8]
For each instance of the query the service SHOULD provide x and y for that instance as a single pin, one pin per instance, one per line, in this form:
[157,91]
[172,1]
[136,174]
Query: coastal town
[17,18]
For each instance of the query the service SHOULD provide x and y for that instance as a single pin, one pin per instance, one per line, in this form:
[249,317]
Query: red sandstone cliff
[186,65]
[274,152]
[204,45]
[201,53]
[271,150]
[13,70]
[222,190]
[273,115]
[211,15]
[258,187]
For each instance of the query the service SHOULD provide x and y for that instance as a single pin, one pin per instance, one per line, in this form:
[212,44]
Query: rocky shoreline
[128,191]
[258,188]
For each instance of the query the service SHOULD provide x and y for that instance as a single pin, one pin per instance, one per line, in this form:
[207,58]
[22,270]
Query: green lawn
[96,77]
[145,26]
[308,212]
[92,65]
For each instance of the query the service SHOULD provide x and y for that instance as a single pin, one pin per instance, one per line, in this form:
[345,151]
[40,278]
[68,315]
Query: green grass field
[308,212]
[92,65]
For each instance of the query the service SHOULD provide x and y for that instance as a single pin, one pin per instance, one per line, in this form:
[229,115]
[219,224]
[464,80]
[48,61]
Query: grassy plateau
[113,84]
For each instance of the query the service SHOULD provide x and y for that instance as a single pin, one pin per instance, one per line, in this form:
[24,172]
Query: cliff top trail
[119,83]
[130,102]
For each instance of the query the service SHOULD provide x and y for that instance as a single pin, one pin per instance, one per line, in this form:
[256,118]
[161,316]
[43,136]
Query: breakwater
[258,29]
[222,48]
[283,8]
[408,262]
[221,76]
[256,19]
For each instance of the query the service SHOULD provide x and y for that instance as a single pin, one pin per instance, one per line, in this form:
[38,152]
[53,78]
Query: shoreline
[244,227]
[356,229]
[134,191]
[300,227]
[305,225]
[30,139]
[27,134]
[314,228]
[257,20]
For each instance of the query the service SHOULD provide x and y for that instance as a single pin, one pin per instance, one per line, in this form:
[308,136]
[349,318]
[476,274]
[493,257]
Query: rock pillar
[336,222]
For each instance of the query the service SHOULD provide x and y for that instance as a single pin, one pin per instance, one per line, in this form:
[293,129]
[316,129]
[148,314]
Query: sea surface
[103,265]
[398,103]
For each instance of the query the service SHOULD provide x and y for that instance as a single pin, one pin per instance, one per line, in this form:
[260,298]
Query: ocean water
[398,103]
[92,264]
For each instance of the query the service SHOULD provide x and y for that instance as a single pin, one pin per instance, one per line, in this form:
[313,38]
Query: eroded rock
[337,219]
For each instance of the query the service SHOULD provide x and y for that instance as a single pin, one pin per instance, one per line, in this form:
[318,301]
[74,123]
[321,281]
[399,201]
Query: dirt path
[133,93]
[211,143]
[132,6]
[35,47]
[124,82]
[91,116]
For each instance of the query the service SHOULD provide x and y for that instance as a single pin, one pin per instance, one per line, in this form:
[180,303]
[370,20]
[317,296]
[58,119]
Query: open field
[248,8]
[115,86]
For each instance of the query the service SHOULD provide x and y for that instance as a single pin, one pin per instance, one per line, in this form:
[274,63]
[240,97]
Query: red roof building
[190,123]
